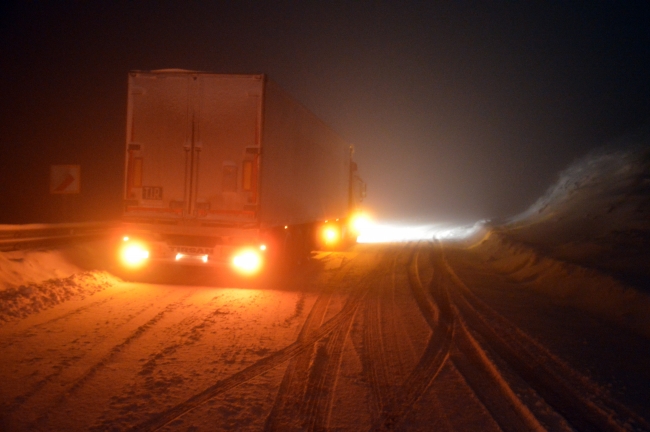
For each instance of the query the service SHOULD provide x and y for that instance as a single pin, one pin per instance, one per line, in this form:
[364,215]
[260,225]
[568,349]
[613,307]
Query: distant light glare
[359,223]
[394,233]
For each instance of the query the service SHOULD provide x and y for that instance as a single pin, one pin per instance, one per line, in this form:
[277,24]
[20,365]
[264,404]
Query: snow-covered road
[477,336]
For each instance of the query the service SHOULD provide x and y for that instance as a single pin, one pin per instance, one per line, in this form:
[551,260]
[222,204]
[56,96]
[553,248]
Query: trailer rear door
[193,146]
[228,141]
[159,134]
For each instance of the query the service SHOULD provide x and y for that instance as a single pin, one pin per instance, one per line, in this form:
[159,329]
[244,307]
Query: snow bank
[597,214]
[587,240]
[602,181]
[24,300]
[24,267]
[569,284]
[31,281]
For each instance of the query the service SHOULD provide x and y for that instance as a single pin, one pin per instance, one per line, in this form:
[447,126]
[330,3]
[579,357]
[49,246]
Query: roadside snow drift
[586,242]
[31,281]
[597,214]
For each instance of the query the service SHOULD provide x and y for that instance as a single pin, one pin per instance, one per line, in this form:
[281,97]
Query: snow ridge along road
[574,397]
[384,337]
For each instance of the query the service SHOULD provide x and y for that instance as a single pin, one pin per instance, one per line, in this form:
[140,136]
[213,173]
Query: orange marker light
[134,254]
[247,261]
[331,234]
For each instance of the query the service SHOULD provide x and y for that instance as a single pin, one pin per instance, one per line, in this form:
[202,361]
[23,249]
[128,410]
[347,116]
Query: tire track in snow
[440,317]
[62,366]
[29,331]
[403,341]
[381,352]
[253,370]
[581,402]
[489,386]
[10,408]
[105,360]
[123,404]
[322,379]
[295,376]
[190,337]
[479,373]
[290,396]
[325,368]
[374,364]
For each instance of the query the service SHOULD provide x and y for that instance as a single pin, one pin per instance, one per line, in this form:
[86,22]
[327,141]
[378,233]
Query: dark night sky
[457,110]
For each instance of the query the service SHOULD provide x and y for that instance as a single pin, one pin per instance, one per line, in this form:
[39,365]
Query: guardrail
[31,236]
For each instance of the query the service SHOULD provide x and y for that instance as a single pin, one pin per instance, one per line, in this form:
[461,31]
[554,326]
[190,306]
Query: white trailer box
[227,157]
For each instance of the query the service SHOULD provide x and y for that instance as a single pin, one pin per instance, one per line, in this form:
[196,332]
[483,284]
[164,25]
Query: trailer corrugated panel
[229,149]
[305,166]
[192,146]
[159,125]
[228,131]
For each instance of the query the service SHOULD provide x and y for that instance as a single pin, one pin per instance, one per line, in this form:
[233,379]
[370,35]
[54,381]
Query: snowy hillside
[597,214]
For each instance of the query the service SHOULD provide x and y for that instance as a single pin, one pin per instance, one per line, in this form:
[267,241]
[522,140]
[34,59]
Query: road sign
[65,179]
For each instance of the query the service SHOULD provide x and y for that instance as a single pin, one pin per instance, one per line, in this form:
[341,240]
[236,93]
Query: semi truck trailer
[229,170]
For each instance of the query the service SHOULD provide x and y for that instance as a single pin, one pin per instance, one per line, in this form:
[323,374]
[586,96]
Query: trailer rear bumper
[247,259]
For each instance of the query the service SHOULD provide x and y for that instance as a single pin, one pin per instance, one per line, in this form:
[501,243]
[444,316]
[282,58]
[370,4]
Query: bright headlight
[331,234]
[134,254]
[359,223]
[247,261]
